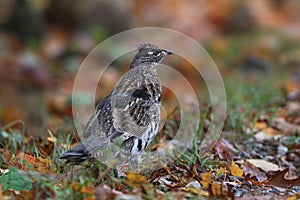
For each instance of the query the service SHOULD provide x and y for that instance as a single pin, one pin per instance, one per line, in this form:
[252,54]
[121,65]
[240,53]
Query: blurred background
[43,42]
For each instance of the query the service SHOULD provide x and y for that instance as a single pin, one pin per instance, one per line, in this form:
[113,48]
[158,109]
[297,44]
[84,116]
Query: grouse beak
[167,52]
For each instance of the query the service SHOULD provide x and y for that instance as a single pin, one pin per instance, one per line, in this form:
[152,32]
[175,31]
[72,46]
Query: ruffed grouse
[127,120]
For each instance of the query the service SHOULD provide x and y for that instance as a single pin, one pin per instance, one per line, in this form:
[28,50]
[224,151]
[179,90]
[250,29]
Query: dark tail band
[76,156]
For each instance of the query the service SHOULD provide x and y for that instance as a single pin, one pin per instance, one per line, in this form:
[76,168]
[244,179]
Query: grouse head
[149,54]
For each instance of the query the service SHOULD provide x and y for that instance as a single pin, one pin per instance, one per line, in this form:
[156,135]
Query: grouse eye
[156,53]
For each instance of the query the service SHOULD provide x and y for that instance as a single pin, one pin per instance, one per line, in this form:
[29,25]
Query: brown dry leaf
[289,128]
[225,150]
[254,181]
[236,170]
[1,196]
[5,154]
[216,189]
[47,147]
[253,171]
[167,169]
[279,180]
[195,170]
[206,179]
[41,165]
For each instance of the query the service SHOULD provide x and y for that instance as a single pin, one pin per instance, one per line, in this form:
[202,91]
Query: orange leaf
[88,190]
[235,170]
[216,189]
[206,179]
[41,165]
[260,125]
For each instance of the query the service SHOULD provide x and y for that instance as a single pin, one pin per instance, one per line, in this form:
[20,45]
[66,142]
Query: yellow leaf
[220,171]
[293,197]
[260,125]
[136,179]
[235,170]
[196,191]
[206,179]
[192,190]
[195,170]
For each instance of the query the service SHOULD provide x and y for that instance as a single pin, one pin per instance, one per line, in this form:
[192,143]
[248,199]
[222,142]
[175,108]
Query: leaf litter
[250,168]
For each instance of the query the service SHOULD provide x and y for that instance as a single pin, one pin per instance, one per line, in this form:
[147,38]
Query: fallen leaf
[279,180]
[253,171]
[262,164]
[262,136]
[289,128]
[87,190]
[41,165]
[220,171]
[225,150]
[294,197]
[206,179]
[136,180]
[135,177]
[194,190]
[264,132]
[260,125]
[254,180]
[236,170]
[216,189]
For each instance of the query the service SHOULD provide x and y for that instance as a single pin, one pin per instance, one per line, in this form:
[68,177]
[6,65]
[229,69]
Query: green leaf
[16,180]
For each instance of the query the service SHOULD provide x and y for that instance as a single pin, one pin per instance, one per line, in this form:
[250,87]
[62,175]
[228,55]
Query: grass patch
[247,101]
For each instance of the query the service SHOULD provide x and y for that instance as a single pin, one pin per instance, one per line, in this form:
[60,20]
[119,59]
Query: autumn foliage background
[255,45]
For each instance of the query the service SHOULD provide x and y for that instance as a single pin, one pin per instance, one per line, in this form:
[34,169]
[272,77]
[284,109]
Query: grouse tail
[77,155]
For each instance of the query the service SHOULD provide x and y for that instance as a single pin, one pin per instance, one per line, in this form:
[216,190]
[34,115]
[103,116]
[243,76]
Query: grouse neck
[149,70]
